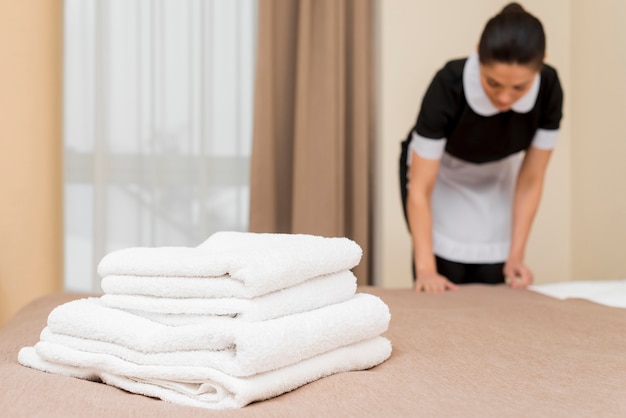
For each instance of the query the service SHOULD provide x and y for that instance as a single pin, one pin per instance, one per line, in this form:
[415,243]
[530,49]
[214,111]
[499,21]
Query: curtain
[158,125]
[313,113]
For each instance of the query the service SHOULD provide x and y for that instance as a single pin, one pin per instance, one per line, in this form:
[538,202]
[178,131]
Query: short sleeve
[437,112]
[439,104]
[551,110]
[552,101]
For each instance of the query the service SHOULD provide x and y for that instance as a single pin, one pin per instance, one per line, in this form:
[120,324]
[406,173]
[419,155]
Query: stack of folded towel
[240,318]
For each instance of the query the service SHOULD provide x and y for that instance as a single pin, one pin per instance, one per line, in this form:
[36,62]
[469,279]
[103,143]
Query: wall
[30,157]
[415,38]
[599,140]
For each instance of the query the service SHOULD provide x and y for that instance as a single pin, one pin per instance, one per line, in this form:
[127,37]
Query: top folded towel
[262,262]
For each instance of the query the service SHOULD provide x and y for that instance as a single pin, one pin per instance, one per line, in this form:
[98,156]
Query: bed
[480,351]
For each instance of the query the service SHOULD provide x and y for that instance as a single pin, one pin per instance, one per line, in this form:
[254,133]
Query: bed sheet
[480,351]
[605,292]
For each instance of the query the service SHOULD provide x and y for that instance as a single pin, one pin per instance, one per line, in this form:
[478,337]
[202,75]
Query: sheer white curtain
[158,115]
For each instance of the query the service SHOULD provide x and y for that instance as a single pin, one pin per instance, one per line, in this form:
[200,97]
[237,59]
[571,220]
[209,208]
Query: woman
[473,166]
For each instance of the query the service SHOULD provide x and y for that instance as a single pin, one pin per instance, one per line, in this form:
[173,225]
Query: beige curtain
[310,170]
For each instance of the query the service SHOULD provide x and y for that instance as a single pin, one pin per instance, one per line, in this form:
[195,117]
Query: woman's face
[505,83]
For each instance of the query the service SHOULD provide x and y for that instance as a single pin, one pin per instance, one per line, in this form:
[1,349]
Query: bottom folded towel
[203,387]
[239,348]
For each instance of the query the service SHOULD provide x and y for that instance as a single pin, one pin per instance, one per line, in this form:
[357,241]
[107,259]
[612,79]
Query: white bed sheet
[605,292]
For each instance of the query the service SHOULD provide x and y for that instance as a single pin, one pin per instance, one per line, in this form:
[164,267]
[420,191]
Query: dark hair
[513,36]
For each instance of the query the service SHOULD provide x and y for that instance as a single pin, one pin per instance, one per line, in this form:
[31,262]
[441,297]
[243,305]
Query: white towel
[203,387]
[306,296]
[177,287]
[262,262]
[238,348]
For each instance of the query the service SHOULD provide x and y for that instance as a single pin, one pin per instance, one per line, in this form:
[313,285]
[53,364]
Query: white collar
[477,98]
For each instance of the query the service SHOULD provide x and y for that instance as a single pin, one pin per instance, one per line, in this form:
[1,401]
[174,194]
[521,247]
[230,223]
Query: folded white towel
[262,262]
[239,348]
[177,287]
[306,296]
[183,358]
[202,386]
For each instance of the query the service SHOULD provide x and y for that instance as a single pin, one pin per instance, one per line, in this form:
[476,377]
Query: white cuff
[545,138]
[431,149]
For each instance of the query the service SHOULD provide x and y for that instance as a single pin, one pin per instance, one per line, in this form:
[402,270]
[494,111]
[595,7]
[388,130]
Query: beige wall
[30,151]
[415,38]
[599,139]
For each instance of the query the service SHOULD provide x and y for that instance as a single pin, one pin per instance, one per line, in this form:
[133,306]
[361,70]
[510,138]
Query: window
[158,125]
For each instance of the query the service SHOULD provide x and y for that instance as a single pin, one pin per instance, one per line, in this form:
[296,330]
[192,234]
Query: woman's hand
[433,283]
[517,275]
[423,176]
[527,195]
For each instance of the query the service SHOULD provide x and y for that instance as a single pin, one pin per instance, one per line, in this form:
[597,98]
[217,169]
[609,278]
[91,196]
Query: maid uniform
[481,149]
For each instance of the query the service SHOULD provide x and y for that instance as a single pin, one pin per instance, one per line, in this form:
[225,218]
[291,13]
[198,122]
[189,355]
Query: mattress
[480,351]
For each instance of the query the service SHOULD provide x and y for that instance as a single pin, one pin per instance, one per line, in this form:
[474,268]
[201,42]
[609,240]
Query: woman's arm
[422,177]
[526,201]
